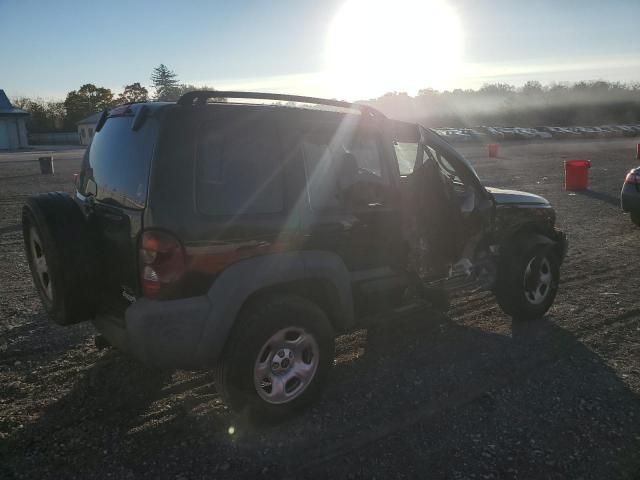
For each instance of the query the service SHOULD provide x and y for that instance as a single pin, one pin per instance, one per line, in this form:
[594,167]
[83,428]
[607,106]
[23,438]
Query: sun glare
[377,46]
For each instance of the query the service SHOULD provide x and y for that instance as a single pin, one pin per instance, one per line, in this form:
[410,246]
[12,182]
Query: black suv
[243,237]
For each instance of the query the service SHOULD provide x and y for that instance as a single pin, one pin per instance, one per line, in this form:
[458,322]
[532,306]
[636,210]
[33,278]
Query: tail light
[633,177]
[162,264]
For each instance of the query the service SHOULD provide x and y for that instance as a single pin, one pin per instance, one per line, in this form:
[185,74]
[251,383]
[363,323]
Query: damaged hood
[514,197]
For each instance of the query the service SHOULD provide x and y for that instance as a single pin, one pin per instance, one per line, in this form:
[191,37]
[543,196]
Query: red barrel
[492,148]
[576,174]
[638,152]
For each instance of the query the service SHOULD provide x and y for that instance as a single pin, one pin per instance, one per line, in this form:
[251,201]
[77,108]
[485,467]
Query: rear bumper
[163,334]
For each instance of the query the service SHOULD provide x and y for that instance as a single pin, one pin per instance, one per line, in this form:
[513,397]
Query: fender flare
[527,241]
[239,281]
[523,241]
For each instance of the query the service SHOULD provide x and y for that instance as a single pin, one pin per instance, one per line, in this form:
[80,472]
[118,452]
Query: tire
[635,218]
[263,337]
[518,292]
[58,247]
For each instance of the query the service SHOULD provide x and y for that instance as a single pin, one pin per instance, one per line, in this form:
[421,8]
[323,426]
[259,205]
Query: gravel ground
[464,395]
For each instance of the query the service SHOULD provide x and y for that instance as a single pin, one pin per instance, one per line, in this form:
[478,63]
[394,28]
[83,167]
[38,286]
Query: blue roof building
[13,131]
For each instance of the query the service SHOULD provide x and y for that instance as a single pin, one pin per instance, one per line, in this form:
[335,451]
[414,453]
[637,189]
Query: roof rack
[199,97]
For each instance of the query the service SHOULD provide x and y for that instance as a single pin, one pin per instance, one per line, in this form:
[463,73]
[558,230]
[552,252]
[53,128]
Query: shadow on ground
[424,396]
[601,196]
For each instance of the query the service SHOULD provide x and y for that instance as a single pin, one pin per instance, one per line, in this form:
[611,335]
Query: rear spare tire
[61,256]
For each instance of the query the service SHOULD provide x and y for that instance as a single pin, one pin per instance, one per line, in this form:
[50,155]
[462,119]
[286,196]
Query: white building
[13,132]
[87,127]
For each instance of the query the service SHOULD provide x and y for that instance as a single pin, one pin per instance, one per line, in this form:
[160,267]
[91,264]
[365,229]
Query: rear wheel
[635,218]
[277,358]
[60,253]
[528,282]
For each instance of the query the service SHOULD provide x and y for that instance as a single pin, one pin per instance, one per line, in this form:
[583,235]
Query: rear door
[353,202]
[113,189]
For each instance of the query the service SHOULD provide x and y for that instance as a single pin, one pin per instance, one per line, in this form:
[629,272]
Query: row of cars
[484,133]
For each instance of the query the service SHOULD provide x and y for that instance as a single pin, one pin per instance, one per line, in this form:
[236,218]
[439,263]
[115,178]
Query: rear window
[239,169]
[116,166]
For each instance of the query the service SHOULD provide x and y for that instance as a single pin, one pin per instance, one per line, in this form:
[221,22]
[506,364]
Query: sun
[378,46]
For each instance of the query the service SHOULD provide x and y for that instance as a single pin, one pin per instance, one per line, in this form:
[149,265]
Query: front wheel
[528,282]
[277,358]
[635,218]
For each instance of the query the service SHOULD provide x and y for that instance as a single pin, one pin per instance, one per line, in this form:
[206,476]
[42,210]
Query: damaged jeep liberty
[243,237]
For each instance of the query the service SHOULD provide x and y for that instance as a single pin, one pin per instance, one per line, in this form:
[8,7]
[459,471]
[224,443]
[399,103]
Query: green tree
[532,87]
[165,83]
[496,89]
[56,114]
[86,100]
[133,93]
[46,116]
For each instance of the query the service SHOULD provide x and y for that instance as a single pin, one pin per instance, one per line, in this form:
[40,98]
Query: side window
[239,169]
[465,195]
[320,169]
[364,148]
[406,138]
[344,169]
[446,168]
[406,153]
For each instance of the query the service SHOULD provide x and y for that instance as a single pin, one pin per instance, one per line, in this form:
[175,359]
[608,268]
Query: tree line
[498,104]
[557,104]
[52,116]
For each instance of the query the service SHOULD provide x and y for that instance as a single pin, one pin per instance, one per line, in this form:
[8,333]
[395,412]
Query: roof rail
[199,97]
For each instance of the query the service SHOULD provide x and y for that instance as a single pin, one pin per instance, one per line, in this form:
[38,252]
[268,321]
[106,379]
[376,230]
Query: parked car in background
[585,132]
[625,130]
[612,131]
[493,132]
[455,135]
[630,195]
[534,133]
[478,134]
[561,132]
[603,132]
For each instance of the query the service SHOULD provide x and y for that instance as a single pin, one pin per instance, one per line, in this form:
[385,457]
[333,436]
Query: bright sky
[348,49]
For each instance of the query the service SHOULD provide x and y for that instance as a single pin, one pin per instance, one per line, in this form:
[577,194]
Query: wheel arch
[533,234]
[318,276]
[320,291]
